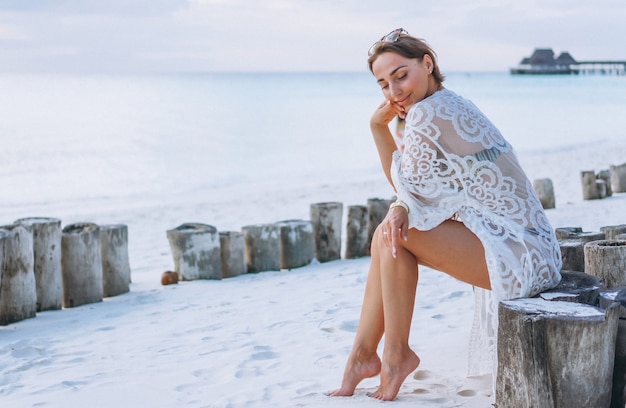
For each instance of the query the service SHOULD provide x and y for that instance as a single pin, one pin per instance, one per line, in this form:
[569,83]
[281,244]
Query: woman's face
[403,81]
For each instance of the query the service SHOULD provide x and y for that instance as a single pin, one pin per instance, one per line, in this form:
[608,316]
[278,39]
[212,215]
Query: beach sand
[272,339]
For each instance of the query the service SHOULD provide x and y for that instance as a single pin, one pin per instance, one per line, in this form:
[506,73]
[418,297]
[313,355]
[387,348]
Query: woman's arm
[396,223]
[385,143]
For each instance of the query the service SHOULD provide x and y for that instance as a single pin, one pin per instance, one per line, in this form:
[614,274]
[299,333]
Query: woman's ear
[428,63]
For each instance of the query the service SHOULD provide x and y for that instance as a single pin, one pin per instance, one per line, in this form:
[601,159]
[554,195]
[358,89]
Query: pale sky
[111,36]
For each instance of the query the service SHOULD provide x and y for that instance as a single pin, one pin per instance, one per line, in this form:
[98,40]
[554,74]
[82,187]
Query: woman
[465,207]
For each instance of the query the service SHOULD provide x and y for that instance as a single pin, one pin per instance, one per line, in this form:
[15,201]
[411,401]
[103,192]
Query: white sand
[273,339]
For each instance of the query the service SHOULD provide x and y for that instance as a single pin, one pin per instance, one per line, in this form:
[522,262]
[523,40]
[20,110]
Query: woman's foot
[393,373]
[358,367]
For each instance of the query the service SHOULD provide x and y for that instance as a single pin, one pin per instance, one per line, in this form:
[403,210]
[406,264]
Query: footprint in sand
[327,361]
[248,372]
[466,393]
[263,353]
[349,326]
[422,375]
[456,295]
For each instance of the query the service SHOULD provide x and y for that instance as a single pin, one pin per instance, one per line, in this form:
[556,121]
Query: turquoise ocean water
[96,137]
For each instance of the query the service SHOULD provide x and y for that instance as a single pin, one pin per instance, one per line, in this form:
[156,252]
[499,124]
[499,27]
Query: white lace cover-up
[454,163]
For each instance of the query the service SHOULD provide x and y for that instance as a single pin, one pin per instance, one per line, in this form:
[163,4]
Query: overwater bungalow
[542,62]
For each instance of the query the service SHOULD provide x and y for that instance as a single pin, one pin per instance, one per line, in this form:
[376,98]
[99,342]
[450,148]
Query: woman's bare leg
[399,277]
[389,300]
[452,248]
[363,361]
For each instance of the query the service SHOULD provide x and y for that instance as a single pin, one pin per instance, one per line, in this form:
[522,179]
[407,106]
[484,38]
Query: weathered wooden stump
[81,264]
[607,298]
[612,231]
[554,354]
[3,235]
[196,251]
[297,244]
[377,209]
[18,290]
[602,188]
[357,232]
[262,247]
[566,232]
[46,261]
[573,254]
[233,252]
[578,233]
[326,219]
[115,261]
[607,260]
[572,247]
[590,236]
[575,286]
[589,185]
[605,175]
[545,192]
[618,178]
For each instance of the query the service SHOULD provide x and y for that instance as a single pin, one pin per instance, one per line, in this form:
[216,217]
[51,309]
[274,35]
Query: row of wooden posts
[602,184]
[200,251]
[44,267]
[595,185]
[567,346]
[564,348]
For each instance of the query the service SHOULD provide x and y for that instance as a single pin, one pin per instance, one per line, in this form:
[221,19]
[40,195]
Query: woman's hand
[395,226]
[386,112]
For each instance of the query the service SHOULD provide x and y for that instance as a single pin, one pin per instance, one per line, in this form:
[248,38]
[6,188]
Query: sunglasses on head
[392,37]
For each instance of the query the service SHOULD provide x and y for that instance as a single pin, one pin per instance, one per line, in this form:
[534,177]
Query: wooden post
[357,230]
[326,219]
[618,178]
[607,260]
[589,185]
[590,236]
[573,254]
[3,236]
[262,247]
[47,261]
[196,251]
[233,252]
[607,298]
[602,188]
[612,231]
[377,209]
[545,191]
[297,244]
[554,354]
[575,286]
[18,290]
[566,232]
[115,262]
[81,264]
[605,175]
[573,247]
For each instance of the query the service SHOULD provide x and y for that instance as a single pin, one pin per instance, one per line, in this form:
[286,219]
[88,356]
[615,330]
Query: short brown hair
[408,47]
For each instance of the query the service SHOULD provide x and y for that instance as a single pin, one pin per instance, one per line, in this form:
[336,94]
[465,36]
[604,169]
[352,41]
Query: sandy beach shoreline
[269,339]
